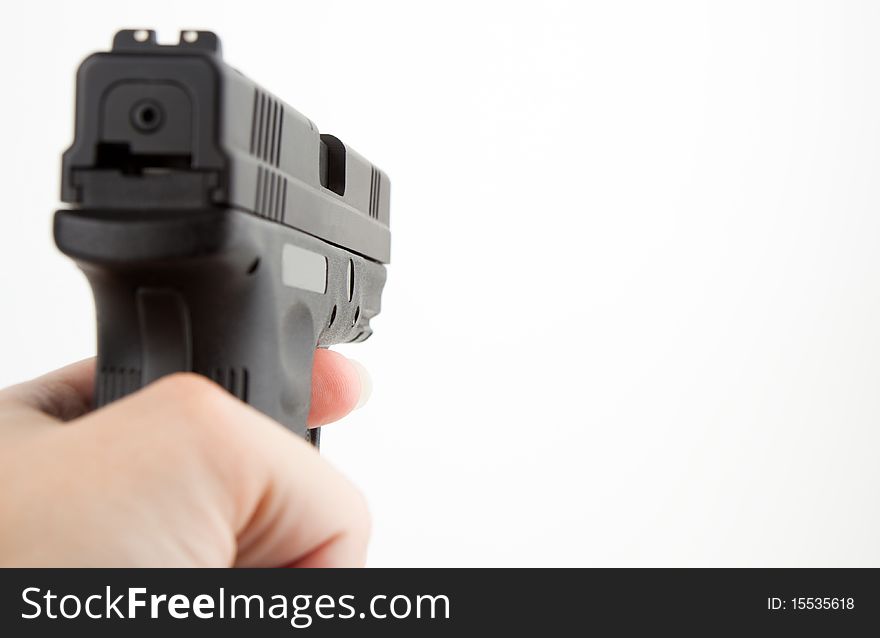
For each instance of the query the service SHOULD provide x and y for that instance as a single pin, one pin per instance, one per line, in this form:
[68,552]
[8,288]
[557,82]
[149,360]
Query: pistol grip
[220,295]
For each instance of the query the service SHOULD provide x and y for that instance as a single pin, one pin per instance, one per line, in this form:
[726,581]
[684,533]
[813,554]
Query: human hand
[178,474]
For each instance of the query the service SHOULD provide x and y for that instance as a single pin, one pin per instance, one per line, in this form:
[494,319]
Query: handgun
[220,231]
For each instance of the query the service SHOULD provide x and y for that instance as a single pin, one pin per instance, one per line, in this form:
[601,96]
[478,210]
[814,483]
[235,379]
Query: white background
[633,314]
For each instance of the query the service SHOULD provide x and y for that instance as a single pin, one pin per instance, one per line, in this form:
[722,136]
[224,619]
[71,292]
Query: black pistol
[221,233]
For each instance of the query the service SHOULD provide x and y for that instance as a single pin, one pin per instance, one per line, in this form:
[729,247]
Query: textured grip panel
[233,379]
[113,383]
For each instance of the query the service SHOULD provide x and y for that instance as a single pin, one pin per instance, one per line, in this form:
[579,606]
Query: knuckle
[196,399]
[185,387]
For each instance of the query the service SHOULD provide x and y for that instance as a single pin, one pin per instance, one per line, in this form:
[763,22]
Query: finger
[63,394]
[339,385]
[307,513]
[284,504]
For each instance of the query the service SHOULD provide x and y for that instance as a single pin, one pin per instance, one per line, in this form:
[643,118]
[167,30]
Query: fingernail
[366,383]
